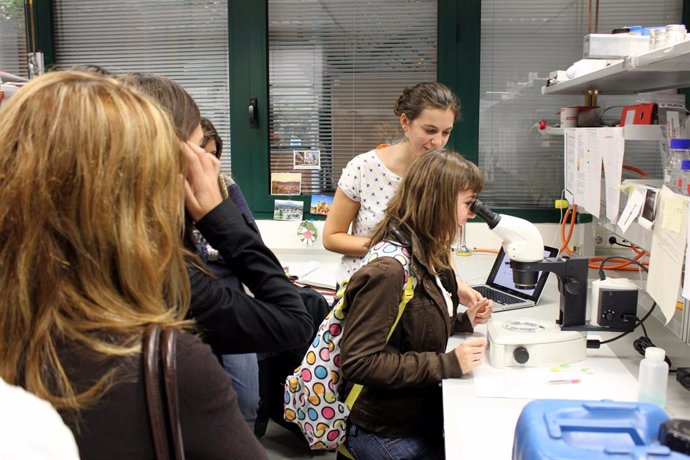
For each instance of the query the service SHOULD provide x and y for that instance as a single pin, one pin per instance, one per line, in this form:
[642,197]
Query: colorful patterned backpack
[312,394]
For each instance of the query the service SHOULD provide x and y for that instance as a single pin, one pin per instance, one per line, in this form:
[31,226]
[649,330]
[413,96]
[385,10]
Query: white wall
[281,237]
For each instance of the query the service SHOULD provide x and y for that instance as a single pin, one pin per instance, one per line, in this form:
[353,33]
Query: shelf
[630,132]
[551,131]
[654,70]
[643,133]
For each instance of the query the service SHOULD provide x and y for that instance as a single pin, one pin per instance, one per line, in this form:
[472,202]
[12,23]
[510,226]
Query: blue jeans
[244,370]
[365,445]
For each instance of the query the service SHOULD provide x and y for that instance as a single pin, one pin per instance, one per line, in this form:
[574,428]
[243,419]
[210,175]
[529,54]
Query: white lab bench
[483,427]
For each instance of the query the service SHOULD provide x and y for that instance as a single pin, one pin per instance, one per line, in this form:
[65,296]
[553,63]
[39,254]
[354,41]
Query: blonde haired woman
[92,182]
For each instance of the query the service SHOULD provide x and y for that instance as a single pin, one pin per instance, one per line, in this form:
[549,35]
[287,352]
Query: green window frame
[458,68]
[459,29]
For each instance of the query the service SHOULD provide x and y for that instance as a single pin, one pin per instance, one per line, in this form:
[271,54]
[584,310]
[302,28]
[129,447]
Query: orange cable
[490,251]
[572,212]
[618,263]
[639,171]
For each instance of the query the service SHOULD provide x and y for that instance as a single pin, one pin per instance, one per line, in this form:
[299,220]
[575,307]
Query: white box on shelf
[558,75]
[613,46]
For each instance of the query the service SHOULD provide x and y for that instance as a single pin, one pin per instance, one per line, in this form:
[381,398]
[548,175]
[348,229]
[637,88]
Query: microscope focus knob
[572,287]
[521,355]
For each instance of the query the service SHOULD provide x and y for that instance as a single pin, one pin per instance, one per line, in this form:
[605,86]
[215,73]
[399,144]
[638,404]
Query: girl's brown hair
[426,95]
[211,134]
[424,209]
[89,228]
[185,116]
[171,96]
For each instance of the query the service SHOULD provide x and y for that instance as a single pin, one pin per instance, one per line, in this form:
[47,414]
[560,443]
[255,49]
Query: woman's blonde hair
[90,181]
[423,212]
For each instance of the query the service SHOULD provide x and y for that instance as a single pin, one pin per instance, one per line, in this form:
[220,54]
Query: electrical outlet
[605,241]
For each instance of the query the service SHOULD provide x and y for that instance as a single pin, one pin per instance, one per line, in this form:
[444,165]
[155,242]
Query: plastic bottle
[653,377]
[657,38]
[684,181]
[679,150]
[675,33]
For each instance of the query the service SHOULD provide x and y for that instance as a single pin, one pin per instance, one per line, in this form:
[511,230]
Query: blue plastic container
[592,430]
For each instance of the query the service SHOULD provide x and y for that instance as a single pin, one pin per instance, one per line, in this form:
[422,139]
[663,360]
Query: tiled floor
[282,444]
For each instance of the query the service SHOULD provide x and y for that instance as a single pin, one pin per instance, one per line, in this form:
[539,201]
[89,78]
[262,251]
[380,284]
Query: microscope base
[532,343]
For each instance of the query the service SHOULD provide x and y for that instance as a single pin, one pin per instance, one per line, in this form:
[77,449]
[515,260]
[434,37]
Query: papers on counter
[588,379]
[315,275]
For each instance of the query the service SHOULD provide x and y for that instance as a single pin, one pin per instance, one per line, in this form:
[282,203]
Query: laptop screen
[501,276]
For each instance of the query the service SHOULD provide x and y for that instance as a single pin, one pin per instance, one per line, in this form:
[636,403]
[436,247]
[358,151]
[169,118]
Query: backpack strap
[402,255]
[408,293]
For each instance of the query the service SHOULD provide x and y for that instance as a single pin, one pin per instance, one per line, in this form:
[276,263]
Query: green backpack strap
[408,293]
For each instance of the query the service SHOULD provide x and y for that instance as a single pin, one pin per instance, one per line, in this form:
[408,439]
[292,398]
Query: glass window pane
[336,69]
[13,38]
[186,41]
[522,41]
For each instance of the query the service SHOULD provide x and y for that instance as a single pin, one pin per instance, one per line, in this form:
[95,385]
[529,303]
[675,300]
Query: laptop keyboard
[497,296]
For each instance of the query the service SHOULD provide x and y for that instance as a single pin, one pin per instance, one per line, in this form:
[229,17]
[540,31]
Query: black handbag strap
[169,359]
[159,354]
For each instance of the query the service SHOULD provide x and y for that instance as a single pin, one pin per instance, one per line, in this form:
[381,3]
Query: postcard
[286,183]
[320,204]
[306,159]
[288,210]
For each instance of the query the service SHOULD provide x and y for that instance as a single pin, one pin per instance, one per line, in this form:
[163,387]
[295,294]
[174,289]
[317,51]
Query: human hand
[480,312]
[470,353]
[201,189]
[467,295]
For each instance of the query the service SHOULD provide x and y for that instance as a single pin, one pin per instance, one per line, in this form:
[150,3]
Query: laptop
[500,287]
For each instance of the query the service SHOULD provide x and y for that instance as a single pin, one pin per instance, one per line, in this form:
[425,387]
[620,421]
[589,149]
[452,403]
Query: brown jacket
[402,395]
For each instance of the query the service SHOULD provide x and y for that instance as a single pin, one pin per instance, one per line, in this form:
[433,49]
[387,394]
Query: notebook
[500,287]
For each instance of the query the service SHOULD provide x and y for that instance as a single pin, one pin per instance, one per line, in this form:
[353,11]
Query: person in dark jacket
[235,324]
[399,413]
[231,321]
[91,178]
[243,367]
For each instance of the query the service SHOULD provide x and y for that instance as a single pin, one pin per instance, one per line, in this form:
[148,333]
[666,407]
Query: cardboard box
[613,46]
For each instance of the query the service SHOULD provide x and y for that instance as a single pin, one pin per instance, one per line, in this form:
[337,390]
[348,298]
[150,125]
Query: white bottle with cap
[653,377]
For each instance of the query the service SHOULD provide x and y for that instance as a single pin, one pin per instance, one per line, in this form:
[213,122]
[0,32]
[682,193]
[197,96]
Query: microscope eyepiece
[485,213]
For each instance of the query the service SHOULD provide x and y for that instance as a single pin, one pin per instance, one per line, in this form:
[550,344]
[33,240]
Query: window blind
[13,38]
[186,41]
[336,69]
[521,42]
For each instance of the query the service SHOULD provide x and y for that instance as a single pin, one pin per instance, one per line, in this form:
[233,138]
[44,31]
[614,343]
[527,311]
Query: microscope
[528,342]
